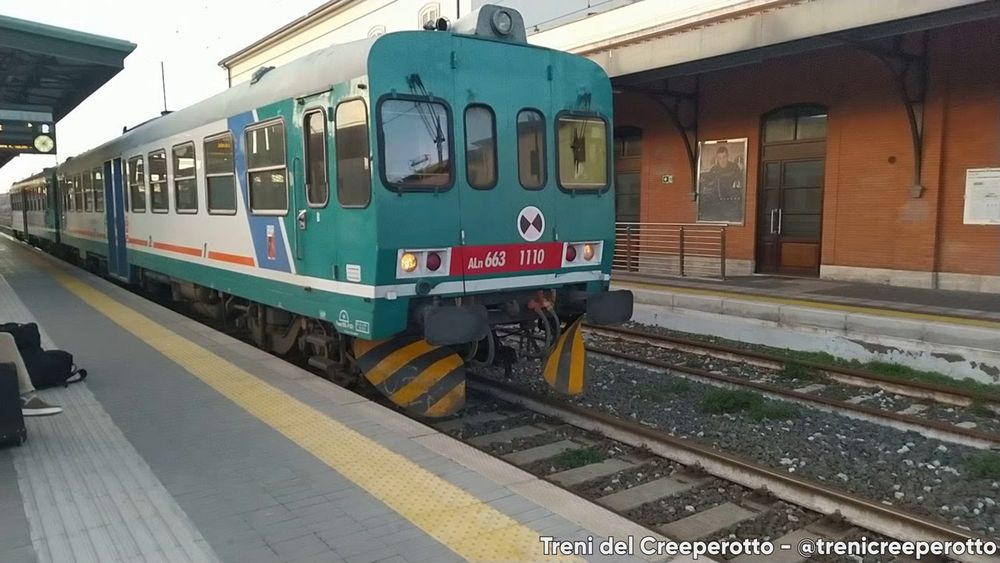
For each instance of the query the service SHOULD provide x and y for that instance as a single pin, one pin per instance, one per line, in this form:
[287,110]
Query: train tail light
[433,261]
[580,254]
[429,262]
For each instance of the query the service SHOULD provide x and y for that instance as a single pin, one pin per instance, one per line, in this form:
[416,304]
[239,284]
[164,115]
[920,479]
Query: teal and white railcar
[34,213]
[386,206]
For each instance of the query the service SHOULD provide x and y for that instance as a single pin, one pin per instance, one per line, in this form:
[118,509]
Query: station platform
[956,333]
[185,444]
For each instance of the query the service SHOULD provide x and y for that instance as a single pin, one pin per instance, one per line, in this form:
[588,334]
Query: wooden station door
[790,210]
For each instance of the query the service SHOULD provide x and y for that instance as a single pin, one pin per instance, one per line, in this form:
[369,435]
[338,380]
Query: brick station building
[860,120]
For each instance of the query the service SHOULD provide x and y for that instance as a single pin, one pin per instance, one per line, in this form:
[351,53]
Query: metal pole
[163,83]
[722,252]
[628,248]
[682,250]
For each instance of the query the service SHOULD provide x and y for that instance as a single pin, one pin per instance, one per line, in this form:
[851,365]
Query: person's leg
[31,404]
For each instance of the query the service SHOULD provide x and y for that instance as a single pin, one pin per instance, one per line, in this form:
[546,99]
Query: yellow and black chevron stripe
[424,379]
[565,366]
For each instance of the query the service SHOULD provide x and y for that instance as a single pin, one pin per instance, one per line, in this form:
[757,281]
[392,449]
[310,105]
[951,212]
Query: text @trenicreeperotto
[805,547]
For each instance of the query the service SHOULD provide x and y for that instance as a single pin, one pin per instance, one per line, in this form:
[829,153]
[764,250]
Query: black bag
[52,368]
[47,368]
[25,335]
[12,429]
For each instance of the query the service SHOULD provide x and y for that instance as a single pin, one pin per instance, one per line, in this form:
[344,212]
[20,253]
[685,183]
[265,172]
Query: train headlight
[588,252]
[503,23]
[408,262]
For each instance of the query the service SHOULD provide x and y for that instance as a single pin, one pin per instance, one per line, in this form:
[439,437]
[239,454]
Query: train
[395,209]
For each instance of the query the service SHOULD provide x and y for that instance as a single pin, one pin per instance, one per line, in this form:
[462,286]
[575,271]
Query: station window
[266,173]
[185,180]
[583,152]
[480,147]
[78,192]
[354,180]
[220,184]
[798,123]
[317,188]
[159,199]
[415,144]
[137,184]
[98,175]
[531,149]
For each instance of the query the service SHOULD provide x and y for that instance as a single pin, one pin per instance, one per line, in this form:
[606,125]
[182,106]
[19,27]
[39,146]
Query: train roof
[314,72]
[34,178]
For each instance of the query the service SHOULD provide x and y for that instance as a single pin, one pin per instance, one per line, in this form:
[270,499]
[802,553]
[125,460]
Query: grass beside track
[733,401]
[984,392]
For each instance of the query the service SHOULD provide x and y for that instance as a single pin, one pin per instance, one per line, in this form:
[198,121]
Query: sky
[189,36]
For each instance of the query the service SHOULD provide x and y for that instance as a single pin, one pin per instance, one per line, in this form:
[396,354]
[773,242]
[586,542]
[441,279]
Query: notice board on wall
[982,196]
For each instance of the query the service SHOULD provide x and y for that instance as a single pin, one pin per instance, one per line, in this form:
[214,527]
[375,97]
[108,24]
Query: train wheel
[565,366]
[424,379]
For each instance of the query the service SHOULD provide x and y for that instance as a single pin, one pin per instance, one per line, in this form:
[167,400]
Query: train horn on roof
[495,22]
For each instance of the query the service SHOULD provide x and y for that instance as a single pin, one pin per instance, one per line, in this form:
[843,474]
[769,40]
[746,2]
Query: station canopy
[47,71]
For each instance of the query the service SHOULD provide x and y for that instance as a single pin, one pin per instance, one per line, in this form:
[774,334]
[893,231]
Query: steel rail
[931,428]
[850,376]
[868,514]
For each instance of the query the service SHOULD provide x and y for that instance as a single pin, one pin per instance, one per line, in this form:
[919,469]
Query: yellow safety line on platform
[814,304]
[457,519]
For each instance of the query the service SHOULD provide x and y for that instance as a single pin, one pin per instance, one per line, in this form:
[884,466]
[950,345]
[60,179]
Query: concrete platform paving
[188,445]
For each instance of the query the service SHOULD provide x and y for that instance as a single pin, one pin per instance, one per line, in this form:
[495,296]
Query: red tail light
[570,253]
[433,261]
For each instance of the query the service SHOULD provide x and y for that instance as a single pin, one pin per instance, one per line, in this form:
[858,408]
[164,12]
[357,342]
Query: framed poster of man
[722,180]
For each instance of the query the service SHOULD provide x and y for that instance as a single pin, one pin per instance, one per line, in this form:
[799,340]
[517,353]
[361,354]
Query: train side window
[88,191]
[266,172]
[98,190]
[220,181]
[185,179]
[531,149]
[159,198]
[582,152]
[354,180]
[314,130]
[137,184]
[78,192]
[65,184]
[480,147]
[415,145]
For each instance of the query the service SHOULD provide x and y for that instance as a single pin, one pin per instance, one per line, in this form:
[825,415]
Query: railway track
[907,419]
[789,508]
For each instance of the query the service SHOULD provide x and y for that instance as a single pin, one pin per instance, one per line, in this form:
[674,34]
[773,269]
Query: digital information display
[27,132]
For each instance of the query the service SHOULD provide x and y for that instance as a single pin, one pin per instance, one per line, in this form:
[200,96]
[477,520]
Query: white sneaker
[34,406]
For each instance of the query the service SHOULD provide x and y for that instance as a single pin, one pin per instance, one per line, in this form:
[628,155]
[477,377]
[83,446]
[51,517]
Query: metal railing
[670,249]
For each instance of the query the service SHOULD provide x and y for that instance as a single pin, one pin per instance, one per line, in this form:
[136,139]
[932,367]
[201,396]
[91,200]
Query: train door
[313,243]
[22,197]
[115,216]
[506,184]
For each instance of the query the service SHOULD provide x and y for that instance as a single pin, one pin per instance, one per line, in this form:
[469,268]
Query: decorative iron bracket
[907,62]
[679,99]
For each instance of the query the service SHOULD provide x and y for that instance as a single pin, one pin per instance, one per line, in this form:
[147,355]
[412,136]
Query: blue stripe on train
[259,225]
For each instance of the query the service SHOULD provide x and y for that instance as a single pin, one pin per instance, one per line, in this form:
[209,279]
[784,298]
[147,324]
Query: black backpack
[47,368]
